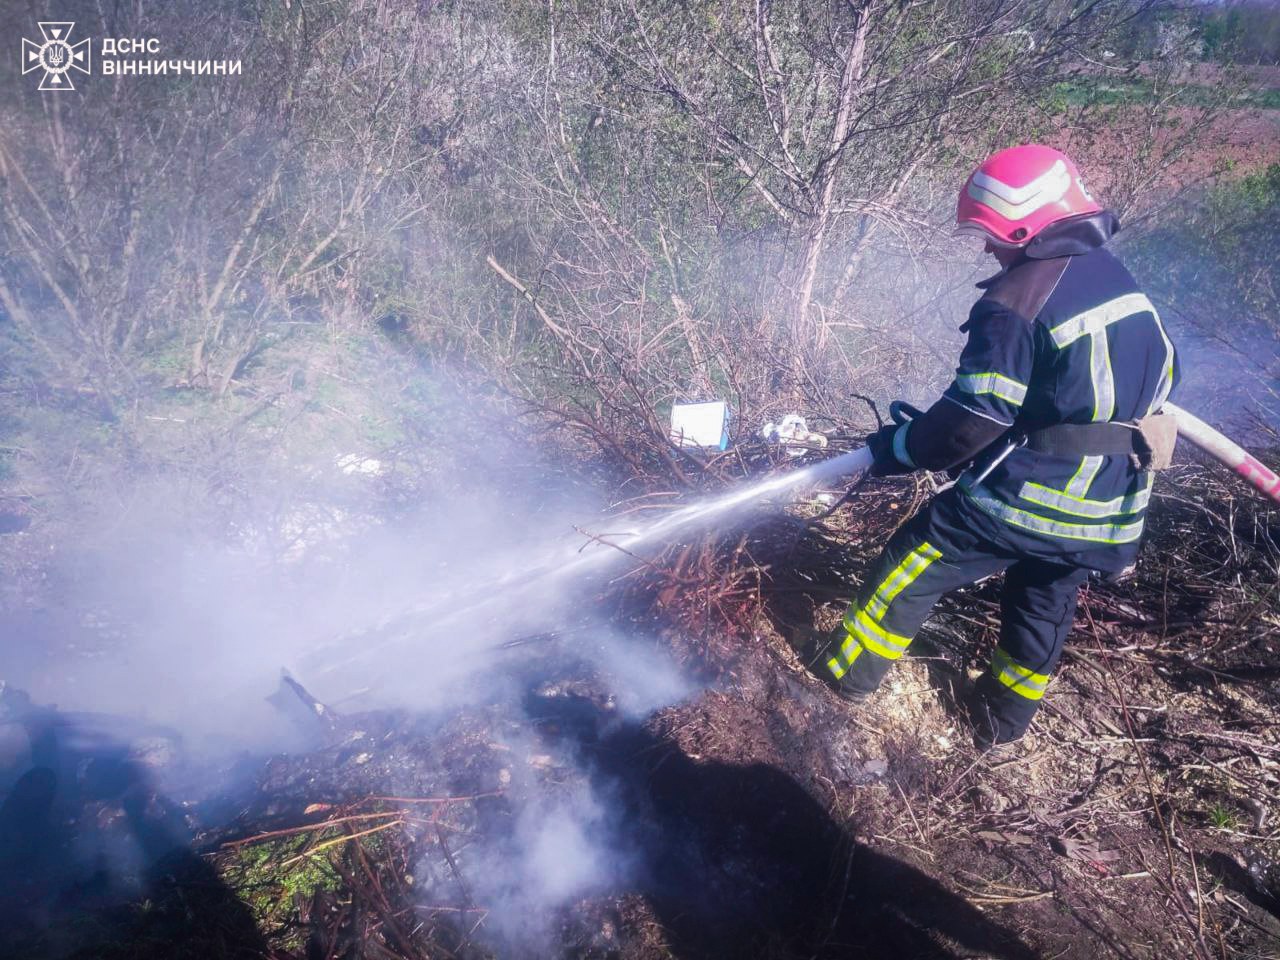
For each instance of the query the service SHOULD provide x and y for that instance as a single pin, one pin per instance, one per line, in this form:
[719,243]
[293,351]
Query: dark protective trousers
[936,552]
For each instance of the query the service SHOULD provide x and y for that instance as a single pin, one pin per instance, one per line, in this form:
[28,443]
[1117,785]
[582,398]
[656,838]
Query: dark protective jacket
[1063,335]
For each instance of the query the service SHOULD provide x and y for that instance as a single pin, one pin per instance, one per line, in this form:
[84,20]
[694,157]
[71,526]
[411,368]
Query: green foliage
[1112,91]
[381,433]
[1222,816]
[1243,31]
[1218,251]
[168,361]
[262,877]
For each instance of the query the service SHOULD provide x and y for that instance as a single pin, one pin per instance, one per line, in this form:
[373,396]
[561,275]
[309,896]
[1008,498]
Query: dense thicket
[589,208]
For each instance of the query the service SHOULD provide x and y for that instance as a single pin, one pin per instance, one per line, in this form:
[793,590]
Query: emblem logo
[56,56]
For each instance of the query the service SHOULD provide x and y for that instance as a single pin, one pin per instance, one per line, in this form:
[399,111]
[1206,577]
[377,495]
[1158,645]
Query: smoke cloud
[176,616]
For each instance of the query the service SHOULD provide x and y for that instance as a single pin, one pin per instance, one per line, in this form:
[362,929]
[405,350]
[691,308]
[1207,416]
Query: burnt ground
[727,855]
[761,817]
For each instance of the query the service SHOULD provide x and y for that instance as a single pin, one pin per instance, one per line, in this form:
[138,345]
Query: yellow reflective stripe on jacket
[862,626]
[1082,479]
[1166,376]
[1093,324]
[1092,532]
[1134,501]
[1024,682]
[1097,319]
[1006,388]
[1104,380]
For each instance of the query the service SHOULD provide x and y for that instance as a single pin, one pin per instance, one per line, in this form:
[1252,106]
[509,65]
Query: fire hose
[1226,451]
[1190,427]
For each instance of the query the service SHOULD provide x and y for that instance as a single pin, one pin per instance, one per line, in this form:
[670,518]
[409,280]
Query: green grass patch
[1107,91]
[275,877]
[1222,817]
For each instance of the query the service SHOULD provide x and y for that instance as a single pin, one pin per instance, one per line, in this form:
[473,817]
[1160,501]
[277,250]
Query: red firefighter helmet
[1018,192]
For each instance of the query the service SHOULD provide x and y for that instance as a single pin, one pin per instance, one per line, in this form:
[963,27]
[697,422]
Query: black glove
[880,444]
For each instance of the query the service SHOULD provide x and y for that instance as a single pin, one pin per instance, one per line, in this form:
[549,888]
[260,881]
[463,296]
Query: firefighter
[1064,356]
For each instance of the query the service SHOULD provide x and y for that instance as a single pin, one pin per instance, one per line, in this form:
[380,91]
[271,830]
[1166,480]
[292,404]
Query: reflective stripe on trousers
[1021,680]
[863,628]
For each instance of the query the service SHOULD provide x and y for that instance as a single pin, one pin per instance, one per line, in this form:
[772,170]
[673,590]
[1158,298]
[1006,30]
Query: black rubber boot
[845,691]
[999,717]
[817,650]
[862,679]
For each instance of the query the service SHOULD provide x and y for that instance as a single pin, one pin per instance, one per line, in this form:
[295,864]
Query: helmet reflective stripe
[982,233]
[1015,203]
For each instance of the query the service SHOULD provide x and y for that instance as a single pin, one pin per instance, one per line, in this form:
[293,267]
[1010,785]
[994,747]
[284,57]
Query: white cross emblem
[56,57]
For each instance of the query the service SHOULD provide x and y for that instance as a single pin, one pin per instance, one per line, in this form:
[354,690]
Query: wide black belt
[1086,439]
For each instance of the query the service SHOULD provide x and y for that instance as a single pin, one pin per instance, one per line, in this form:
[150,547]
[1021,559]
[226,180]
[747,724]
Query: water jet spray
[597,554]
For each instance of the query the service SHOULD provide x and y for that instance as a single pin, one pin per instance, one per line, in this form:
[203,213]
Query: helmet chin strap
[1005,255]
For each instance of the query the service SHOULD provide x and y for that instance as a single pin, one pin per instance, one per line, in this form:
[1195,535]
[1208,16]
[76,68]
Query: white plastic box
[700,424]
